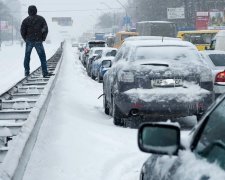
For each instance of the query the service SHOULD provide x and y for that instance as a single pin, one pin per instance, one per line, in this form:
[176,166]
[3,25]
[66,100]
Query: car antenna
[162,38]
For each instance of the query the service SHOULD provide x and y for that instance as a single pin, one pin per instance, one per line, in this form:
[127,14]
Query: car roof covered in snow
[97,48]
[135,38]
[208,52]
[160,43]
[108,58]
[109,48]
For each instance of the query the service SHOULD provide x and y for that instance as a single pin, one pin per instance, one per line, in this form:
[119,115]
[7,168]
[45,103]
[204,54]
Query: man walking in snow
[34,30]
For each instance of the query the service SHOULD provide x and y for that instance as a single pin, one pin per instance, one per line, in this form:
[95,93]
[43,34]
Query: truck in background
[156,28]
[100,36]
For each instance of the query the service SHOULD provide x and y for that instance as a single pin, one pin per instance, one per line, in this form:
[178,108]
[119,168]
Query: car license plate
[167,82]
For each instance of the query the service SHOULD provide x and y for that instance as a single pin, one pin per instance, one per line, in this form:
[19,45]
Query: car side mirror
[106,63]
[163,139]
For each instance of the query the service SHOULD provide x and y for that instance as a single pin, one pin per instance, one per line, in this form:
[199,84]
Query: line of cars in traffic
[154,79]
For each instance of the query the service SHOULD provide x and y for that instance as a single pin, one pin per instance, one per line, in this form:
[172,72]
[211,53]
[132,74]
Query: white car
[95,51]
[215,60]
[107,52]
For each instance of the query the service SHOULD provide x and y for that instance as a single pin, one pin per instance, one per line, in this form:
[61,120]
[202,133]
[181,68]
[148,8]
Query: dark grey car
[157,79]
[199,156]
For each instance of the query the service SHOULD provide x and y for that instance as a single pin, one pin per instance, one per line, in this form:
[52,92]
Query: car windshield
[212,141]
[218,59]
[177,53]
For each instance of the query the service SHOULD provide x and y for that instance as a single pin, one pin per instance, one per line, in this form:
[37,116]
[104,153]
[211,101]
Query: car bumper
[219,89]
[172,107]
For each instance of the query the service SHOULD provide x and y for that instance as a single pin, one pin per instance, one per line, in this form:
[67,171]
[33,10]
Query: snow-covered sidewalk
[11,62]
[77,141]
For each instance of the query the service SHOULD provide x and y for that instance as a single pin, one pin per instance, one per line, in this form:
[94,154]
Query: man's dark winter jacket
[34,28]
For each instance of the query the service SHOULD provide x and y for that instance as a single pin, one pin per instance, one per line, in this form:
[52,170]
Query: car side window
[126,52]
[213,136]
[119,54]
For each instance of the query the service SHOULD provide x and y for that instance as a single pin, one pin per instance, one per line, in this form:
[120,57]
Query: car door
[110,75]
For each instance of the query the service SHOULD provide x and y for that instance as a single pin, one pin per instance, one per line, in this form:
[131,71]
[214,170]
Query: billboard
[63,21]
[216,20]
[175,13]
[202,20]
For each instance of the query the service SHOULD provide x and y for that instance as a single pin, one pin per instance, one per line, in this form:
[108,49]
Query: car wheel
[88,71]
[199,116]
[105,104]
[141,177]
[99,78]
[92,76]
[117,120]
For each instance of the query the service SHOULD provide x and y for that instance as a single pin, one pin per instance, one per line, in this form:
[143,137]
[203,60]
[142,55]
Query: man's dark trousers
[41,53]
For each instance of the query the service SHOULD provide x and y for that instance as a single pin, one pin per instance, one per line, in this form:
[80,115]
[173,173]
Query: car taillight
[220,77]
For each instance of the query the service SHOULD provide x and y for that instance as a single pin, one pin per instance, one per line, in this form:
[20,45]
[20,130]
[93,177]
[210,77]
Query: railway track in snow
[22,110]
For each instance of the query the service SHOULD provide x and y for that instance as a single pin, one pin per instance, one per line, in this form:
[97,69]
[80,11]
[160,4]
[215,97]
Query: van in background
[200,38]
[156,28]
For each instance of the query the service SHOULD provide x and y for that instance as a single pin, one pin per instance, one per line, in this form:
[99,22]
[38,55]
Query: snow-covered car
[107,52]
[198,156]
[216,62]
[147,38]
[105,65]
[94,52]
[157,79]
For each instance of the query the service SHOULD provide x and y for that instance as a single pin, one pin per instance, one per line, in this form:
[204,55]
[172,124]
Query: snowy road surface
[77,141]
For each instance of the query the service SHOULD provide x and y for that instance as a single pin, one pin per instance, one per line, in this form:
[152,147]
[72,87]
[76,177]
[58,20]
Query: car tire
[117,119]
[99,79]
[199,116]
[105,104]
[92,76]
[88,71]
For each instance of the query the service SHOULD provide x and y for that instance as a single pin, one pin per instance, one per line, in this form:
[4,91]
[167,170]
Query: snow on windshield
[168,53]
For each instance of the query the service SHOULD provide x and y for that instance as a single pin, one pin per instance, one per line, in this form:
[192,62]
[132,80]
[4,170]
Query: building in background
[187,14]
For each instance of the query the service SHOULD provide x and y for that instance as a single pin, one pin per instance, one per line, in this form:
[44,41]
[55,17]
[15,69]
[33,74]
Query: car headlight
[126,77]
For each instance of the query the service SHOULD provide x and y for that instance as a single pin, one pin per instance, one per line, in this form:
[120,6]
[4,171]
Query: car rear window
[218,59]
[96,44]
[178,53]
[98,51]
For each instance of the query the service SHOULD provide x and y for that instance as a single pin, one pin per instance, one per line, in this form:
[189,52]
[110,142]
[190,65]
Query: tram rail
[22,110]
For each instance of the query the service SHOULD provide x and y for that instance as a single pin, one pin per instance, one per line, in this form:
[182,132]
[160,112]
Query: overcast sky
[83,12]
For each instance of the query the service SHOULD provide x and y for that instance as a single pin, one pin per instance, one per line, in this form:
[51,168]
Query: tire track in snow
[124,167]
